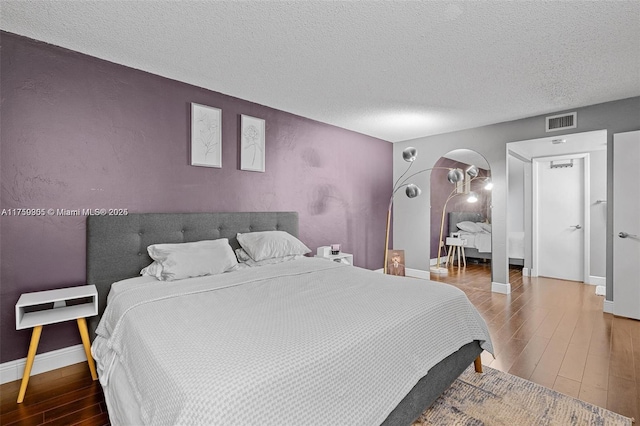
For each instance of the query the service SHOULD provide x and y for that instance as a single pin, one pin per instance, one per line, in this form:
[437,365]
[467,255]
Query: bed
[477,235]
[307,340]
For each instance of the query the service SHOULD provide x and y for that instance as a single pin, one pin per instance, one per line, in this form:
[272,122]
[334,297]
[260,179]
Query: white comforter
[302,342]
[482,242]
[477,240]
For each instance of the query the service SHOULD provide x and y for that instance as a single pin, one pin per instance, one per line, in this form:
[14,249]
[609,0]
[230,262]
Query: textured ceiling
[394,70]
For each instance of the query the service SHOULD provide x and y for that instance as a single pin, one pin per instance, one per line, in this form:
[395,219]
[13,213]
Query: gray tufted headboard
[457,217]
[117,245]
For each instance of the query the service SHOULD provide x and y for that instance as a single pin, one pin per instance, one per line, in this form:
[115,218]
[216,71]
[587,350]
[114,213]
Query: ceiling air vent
[562,121]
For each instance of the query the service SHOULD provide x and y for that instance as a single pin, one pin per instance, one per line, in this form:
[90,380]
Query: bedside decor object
[252,141]
[206,136]
[396,262]
[454,176]
[335,249]
[346,258]
[73,303]
[323,251]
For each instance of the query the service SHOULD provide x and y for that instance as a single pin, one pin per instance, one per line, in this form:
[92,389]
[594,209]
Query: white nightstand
[73,303]
[456,245]
[340,258]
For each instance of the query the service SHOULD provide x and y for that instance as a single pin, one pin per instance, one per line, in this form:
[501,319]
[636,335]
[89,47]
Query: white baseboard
[607,306]
[417,273]
[526,272]
[501,288]
[410,272]
[595,280]
[432,262]
[13,370]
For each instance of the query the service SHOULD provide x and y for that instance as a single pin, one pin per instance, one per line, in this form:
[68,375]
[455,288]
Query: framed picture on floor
[395,262]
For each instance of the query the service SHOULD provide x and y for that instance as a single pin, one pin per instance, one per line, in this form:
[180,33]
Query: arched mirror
[460,212]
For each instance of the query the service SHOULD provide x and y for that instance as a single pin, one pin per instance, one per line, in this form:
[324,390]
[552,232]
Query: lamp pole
[437,268]
[412,191]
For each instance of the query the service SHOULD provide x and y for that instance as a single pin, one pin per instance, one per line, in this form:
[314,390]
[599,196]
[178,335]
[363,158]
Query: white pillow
[179,261]
[469,226]
[269,244]
[153,270]
[244,259]
[486,227]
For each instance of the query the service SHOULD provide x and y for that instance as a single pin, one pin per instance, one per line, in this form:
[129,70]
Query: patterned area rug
[497,398]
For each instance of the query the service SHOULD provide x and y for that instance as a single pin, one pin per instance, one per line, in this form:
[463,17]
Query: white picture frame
[252,143]
[206,136]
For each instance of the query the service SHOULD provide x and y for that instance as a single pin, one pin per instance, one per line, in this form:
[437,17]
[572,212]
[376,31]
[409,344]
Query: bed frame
[117,249]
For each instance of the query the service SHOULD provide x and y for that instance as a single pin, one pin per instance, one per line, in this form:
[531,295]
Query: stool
[456,246]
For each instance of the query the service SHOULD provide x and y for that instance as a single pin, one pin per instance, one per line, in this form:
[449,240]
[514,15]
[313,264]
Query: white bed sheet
[290,343]
[482,242]
[128,284]
[122,405]
[477,240]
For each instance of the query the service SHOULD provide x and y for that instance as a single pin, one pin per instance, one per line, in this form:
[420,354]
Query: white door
[626,224]
[559,222]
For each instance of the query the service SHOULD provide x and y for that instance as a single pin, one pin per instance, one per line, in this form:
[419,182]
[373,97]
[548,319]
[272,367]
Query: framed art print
[206,136]
[252,140]
[395,262]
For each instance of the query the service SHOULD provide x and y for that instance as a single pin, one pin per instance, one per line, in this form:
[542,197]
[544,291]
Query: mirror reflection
[460,212]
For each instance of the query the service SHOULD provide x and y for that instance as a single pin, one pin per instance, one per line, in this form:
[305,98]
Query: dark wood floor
[66,396]
[551,332]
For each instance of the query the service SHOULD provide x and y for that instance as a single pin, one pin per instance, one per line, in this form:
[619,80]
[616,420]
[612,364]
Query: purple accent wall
[78,132]
[440,191]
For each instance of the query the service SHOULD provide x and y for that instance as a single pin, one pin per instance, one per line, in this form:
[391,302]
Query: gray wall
[413,235]
[598,170]
[515,214]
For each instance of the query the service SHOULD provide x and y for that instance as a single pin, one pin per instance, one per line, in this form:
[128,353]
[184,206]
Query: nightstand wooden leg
[33,347]
[478,364]
[84,334]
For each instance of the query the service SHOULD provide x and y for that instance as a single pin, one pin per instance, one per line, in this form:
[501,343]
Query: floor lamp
[409,155]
